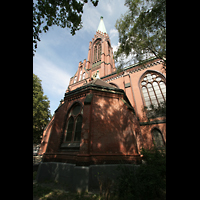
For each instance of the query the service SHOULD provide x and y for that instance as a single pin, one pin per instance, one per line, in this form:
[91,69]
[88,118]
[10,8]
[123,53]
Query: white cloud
[114,35]
[91,18]
[109,9]
[59,53]
[113,32]
[115,47]
[54,80]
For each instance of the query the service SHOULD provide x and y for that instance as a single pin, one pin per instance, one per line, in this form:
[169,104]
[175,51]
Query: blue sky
[59,53]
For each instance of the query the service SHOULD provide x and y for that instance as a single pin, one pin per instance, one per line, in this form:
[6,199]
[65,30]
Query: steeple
[100,61]
[101,26]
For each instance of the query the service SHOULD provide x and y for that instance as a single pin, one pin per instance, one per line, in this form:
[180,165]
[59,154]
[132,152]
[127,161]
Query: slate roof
[99,82]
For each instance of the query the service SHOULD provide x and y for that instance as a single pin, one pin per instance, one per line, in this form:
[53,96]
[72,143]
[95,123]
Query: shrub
[148,181]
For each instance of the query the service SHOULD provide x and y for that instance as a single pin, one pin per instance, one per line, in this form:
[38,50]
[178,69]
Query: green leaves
[147,181]
[57,12]
[142,30]
[41,112]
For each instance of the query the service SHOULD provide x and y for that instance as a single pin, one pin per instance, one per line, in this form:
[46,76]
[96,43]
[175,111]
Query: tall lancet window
[97,51]
[73,125]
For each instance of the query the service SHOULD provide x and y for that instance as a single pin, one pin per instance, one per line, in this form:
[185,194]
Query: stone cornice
[131,69]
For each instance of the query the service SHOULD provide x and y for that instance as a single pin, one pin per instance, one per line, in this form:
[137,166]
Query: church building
[106,117]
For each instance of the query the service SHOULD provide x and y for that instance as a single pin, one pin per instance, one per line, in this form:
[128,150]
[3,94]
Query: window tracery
[74,123]
[153,87]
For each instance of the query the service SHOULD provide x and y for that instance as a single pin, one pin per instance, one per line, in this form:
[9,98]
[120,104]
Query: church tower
[100,61]
[100,55]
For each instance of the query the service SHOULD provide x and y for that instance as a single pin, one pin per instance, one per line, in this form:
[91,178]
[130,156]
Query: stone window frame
[150,88]
[97,50]
[72,144]
[161,138]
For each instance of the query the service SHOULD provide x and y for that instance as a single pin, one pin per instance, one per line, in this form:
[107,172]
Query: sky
[59,53]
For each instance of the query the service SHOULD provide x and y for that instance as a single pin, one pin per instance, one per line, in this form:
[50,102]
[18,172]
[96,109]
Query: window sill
[71,146]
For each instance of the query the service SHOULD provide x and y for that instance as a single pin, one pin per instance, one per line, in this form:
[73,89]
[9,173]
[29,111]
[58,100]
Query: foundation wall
[80,178]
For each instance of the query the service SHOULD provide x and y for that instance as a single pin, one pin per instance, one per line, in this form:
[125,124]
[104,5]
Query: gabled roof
[101,26]
[100,82]
[96,84]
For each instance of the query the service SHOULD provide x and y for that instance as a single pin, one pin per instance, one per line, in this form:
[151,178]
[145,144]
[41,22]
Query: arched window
[157,138]
[153,86]
[74,123]
[97,51]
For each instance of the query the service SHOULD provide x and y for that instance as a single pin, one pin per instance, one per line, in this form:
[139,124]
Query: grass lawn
[53,190]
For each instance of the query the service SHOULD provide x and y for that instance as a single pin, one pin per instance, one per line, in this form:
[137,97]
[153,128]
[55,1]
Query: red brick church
[102,117]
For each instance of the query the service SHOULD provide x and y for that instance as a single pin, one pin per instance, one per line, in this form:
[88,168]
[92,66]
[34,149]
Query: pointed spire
[101,26]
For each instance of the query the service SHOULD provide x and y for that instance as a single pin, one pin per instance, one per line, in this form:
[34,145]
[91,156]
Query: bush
[148,181]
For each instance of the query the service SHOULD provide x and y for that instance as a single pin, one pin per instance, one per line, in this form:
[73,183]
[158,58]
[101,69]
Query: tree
[57,12]
[41,112]
[142,31]
[154,111]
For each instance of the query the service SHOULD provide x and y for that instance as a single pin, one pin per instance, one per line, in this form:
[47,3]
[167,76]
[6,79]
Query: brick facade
[114,127]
